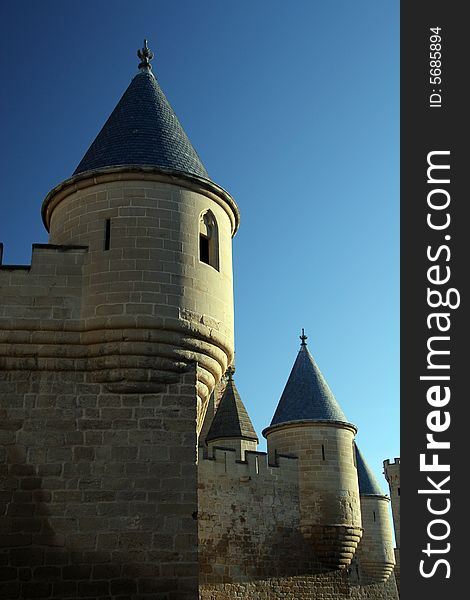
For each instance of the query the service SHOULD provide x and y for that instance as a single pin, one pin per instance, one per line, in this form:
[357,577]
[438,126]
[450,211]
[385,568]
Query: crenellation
[388,462]
[224,459]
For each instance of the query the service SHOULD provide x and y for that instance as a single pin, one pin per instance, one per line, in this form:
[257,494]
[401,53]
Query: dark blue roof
[231,419]
[307,396]
[143,130]
[368,485]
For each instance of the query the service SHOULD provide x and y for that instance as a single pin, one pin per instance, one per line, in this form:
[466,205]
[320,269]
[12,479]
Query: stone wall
[328,586]
[98,493]
[248,517]
[250,545]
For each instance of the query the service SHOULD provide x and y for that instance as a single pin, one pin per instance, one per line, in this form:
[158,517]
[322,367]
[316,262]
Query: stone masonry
[128,462]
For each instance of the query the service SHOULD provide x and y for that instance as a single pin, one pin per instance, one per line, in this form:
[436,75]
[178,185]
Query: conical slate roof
[307,396]
[368,484]
[231,419]
[143,130]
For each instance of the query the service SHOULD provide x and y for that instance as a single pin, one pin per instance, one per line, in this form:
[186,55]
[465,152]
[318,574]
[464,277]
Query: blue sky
[294,109]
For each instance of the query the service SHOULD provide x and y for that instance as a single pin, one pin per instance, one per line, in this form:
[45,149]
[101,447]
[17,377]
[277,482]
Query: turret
[375,551]
[309,424]
[231,426]
[392,475]
[157,290]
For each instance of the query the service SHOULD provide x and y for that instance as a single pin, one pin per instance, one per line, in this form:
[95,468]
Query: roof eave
[309,422]
[233,437]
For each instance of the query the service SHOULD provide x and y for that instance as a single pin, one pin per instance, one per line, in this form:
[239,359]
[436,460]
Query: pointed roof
[368,484]
[143,130]
[231,419]
[307,396]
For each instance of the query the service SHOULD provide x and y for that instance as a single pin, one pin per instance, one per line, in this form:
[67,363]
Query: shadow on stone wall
[245,559]
[25,530]
[96,503]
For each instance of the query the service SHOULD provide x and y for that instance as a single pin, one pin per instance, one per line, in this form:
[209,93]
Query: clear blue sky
[294,109]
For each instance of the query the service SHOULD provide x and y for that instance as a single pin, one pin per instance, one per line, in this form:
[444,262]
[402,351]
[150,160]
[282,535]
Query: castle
[129,464]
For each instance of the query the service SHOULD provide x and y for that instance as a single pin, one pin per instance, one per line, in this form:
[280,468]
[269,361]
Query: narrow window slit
[374,516]
[107,234]
[323,451]
[204,249]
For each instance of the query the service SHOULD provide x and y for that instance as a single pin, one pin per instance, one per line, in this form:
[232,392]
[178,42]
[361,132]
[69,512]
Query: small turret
[231,426]
[392,475]
[309,423]
[375,551]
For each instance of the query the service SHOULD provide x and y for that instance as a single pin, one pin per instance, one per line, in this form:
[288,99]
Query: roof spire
[143,131]
[307,396]
[145,55]
[303,338]
[231,419]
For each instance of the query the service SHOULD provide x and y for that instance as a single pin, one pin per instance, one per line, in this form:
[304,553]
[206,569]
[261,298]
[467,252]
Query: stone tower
[309,424]
[375,551]
[392,475]
[111,343]
[157,286]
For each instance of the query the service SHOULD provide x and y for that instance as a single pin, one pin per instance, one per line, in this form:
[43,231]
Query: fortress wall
[40,310]
[98,493]
[334,585]
[44,293]
[250,545]
[248,518]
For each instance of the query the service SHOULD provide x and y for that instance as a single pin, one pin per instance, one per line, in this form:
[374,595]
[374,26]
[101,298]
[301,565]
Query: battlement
[44,257]
[39,297]
[256,465]
[388,463]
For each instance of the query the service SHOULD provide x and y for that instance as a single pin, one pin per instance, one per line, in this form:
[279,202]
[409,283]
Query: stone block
[93,588]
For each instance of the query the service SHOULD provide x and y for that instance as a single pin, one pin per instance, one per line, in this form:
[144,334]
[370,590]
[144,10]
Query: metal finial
[303,338]
[230,372]
[145,56]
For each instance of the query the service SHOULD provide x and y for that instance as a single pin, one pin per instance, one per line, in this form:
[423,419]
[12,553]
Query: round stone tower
[375,552]
[157,283]
[309,424]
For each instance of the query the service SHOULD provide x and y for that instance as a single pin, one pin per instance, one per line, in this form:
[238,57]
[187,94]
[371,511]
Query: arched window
[208,240]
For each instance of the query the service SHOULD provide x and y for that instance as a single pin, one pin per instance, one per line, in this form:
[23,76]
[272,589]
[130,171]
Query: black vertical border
[425,129]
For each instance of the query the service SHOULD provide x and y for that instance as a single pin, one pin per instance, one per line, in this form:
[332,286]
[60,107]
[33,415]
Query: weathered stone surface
[251,540]
[328,586]
[88,522]
[111,343]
